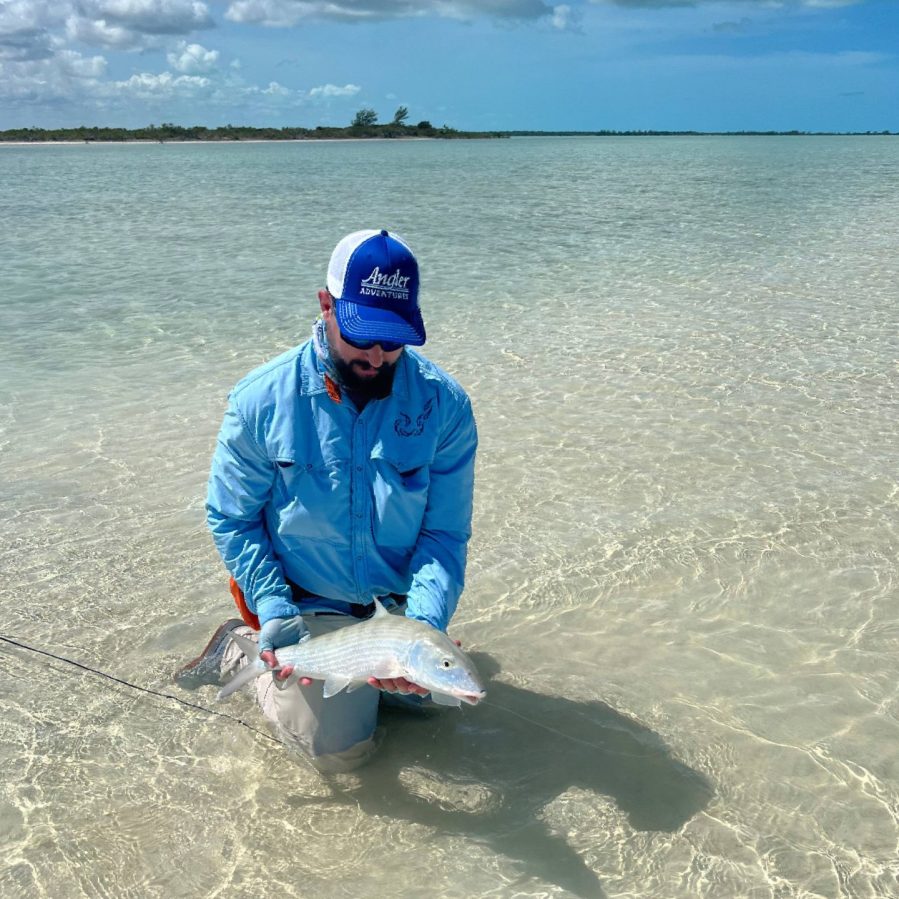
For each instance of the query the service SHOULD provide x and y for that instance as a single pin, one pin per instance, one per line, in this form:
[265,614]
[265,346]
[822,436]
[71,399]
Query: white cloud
[98,33]
[26,29]
[41,67]
[78,66]
[26,43]
[192,58]
[332,90]
[64,76]
[564,18]
[149,16]
[149,86]
[134,24]
[284,13]
[31,14]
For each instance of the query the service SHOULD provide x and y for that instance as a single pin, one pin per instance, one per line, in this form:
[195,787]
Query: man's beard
[371,388]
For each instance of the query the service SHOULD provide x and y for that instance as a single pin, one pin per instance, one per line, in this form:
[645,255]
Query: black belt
[356,609]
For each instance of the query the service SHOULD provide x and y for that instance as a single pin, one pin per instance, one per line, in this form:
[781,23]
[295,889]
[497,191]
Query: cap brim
[370,323]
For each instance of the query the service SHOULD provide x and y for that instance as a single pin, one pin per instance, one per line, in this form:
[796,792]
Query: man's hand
[276,634]
[397,685]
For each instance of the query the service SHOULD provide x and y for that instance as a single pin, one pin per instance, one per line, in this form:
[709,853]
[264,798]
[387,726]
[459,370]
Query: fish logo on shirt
[403,425]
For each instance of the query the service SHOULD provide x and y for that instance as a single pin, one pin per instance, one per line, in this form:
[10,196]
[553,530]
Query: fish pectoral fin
[445,699]
[334,684]
[387,669]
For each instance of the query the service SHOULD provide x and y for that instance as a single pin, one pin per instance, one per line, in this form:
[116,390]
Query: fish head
[435,662]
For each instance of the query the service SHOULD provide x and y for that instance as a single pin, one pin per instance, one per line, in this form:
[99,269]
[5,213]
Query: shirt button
[358,468]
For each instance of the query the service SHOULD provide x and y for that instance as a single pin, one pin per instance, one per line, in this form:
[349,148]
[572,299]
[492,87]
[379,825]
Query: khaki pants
[336,733]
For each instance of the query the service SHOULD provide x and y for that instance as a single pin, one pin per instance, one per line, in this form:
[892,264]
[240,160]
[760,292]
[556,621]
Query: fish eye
[446,663]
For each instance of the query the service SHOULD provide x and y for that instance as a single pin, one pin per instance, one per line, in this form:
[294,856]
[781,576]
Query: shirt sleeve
[240,484]
[439,558]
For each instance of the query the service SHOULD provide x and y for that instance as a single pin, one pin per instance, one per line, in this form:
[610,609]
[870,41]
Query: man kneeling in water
[344,470]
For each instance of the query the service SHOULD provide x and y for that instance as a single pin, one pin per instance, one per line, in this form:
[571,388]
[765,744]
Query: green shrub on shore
[169,132]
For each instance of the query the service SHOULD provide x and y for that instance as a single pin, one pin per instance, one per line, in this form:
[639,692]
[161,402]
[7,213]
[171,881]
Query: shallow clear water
[683,357]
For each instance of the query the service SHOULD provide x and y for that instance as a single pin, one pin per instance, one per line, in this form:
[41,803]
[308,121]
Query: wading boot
[210,667]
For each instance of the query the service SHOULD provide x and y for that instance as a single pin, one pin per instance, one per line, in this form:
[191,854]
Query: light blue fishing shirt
[347,504]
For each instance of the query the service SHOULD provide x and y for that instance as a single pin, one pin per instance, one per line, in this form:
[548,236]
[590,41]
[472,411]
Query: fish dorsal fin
[380,611]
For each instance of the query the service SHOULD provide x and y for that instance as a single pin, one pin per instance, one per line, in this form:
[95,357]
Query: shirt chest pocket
[399,499]
[313,500]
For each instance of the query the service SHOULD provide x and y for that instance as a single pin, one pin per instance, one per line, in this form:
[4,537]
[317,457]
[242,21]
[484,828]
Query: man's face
[365,372]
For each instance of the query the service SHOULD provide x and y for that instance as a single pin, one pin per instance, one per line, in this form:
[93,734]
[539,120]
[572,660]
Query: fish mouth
[472,698]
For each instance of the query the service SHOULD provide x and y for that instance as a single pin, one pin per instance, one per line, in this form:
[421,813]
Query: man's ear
[326,301]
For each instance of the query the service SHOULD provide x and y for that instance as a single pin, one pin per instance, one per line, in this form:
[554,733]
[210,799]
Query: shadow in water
[488,774]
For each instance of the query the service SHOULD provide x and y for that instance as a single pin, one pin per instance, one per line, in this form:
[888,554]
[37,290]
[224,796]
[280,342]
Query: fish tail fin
[254,669]
[247,646]
[250,673]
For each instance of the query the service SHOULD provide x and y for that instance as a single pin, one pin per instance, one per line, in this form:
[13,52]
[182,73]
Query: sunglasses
[386,345]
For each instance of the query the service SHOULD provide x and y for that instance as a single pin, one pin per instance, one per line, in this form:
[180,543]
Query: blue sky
[472,64]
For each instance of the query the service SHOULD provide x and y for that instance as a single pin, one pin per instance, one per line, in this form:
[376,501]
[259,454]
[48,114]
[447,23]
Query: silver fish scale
[373,647]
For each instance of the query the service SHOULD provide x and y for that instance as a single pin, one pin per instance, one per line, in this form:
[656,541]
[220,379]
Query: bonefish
[383,646]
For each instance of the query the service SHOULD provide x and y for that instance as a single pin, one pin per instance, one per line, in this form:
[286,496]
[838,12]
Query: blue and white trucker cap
[373,277]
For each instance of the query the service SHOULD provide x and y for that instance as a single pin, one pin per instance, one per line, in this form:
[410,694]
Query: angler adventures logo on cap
[384,286]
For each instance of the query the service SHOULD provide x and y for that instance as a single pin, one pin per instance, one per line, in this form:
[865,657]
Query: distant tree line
[364,125]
